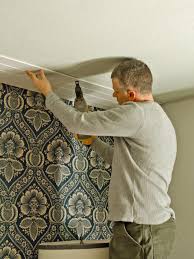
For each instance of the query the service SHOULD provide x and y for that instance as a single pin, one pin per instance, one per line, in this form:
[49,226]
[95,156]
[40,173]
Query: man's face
[119,92]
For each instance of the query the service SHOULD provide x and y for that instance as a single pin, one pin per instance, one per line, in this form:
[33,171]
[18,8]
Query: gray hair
[135,73]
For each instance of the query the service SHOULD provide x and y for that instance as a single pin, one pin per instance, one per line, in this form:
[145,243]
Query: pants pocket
[135,238]
[123,245]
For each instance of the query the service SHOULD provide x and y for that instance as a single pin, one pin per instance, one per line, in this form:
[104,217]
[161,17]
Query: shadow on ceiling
[91,67]
[174,96]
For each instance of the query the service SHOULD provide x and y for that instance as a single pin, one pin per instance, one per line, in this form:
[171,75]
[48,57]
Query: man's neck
[144,98]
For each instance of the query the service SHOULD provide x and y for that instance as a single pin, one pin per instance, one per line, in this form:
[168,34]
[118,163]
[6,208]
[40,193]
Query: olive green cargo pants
[139,241]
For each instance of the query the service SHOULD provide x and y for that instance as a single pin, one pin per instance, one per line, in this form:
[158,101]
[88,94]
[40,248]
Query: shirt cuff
[51,98]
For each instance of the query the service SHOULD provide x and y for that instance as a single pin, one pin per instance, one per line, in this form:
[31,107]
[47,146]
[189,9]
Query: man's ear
[131,94]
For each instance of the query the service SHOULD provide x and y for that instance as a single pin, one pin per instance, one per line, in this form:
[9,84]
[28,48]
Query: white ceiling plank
[14,74]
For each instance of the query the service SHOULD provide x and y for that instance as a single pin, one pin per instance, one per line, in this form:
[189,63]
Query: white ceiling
[86,39]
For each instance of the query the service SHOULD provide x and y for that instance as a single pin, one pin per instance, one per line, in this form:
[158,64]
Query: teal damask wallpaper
[51,187]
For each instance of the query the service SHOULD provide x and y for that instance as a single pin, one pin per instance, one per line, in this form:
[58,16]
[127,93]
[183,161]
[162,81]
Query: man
[142,160]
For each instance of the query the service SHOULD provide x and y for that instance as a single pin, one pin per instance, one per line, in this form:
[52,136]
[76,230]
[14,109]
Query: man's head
[132,81]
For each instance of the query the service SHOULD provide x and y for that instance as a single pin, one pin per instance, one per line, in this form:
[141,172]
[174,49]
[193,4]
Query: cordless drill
[81,105]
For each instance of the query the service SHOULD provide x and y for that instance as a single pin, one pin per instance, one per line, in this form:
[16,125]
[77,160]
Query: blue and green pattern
[52,188]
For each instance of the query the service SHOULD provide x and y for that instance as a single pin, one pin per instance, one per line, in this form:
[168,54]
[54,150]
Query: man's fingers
[36,75]
[31,75]
[42,73]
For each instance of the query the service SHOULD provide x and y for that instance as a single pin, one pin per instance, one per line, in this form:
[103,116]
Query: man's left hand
[40,81]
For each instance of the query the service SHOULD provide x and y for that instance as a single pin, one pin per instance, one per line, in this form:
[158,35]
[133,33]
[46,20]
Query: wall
[51,187]
[182,186]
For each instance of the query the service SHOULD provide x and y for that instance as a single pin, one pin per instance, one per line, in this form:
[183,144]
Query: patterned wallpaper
[51,187]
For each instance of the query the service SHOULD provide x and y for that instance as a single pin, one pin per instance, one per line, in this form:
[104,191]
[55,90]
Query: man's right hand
[93,138]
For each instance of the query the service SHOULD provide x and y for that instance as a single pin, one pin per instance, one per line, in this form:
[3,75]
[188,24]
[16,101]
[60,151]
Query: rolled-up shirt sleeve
[122,121]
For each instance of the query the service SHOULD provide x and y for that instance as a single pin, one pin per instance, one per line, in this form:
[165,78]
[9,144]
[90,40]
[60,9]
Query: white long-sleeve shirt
[142,158]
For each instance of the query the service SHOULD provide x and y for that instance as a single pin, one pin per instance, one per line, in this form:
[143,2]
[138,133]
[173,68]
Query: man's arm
[123,121]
